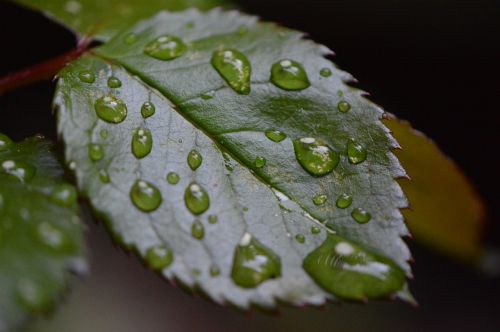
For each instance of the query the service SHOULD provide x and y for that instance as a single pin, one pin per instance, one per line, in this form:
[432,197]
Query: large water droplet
[53,238]
[315,157]
[356,152]
[5,142]
[148,109]
[114,82]
[349,272]
[197,230]
[159,257]
[165,48]
[64,194]
[344,106]
[86,76]
[344,201]
[194,159]
[260,162]
[96,152]
[289,75]
[196,199]
[361,216]
[21,170]
[145,196]
[234,68]
[275,135]
[320,199]
[173,178]
[111,109]
[142,143]
[253,263]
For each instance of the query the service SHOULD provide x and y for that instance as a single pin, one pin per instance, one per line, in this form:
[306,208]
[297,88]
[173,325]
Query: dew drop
[361,216]
[243,30]
[320,199]
[194,160]
[104,176]
[86,76]
[159,257]
[344,106]
[165,48]
[275,135]
[214,270]
[131,38]
[315,157]
[147,110]
[53,238]
[289,75]
[145,196]
[234,68]
[325,72]
[31,296]
[64,195]
[142,143]
[260,162]
[253,263]
[208,95]
[19,169]
[300,238]
[96,152]
[196,199]
[111,109]
[356,152]
[5,142]
[104,134]
[114,82]
[212,219]
[197,230]
[173,178]
[369,275]
[344,201]
[315,230]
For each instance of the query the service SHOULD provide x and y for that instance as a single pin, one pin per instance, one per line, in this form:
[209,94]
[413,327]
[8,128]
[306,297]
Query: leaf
[103,19]
[446,212]
[207,188]
[41,237]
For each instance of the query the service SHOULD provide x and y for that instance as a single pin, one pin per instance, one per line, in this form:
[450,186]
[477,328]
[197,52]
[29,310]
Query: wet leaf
[41,237]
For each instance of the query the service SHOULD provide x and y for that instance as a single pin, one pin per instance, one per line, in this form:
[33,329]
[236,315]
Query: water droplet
[104,134]
[96,152]
[243,30]
[114,82]
[5,142]
[315,230]
[320,199]
[53,238]
[173,178]
[368,275]
[361,216]
[300,238]
[130,38]
[260,162]
[64,194]
[104,176]
[196,199]
[326,72]
[166,48]
[315,157]
[253,263]
[21,170]
[31,296]
[275,135]
[212,219]
[145,196]
[344,106]
[194,160]
[86,76]
[289,75]
[214,271]
[147,110]
[344,201]
[197,230]
[111,109]
[234,68]
[208,95]
[142,143]
[159,257]
[356,152]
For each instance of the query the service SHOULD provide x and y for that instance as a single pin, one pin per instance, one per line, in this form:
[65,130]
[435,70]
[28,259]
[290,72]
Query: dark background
[433,62]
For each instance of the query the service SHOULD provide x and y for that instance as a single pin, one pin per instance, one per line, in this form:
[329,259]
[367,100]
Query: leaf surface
[231,184]
[41,237]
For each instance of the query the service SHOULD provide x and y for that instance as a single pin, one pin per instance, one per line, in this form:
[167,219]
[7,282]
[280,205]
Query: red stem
[42,71]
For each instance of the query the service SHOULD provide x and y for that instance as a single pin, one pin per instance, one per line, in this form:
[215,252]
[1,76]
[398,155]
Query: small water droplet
[243,30]
[194,160]
[173,178]
[111,109]
[96,152]
[196,199]
[104,176]
[198,230]
[5,142]
[64,195]
[289,75]
[131,38]
[208,95]
[344,106]
[260,162]
[212,219]
[31,296]
[72,165]
[86,76]
[53,238]
[320,199]
[315,157]
[275,135]
[19,169]
[166,48]
[147,109]
[114,82]
[344,201]
[325,72]
[315,230]
[159,257]
[361,216]
[104,134]
[234,68]
[300,238]
[142,143]
[145,196]
[214,270]
[356,152]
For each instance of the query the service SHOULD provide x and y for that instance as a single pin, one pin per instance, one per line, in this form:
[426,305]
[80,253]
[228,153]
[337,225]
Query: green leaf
[102,19]
[41,237]
[446,212]
[225,196]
